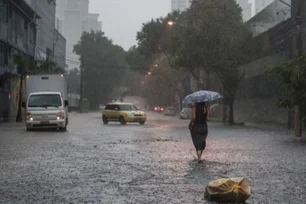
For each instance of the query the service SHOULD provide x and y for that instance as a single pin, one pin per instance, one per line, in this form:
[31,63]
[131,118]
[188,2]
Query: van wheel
[121,120]
[141,123]
[105,120]
[29,129]
[64,129]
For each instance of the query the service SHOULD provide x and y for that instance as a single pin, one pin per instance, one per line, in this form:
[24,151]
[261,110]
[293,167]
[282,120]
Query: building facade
[246,9]
[261,4]
[92,23]
[180,5]
[17,34]
[45,28]
[272,15]
[73,18]
[60,49]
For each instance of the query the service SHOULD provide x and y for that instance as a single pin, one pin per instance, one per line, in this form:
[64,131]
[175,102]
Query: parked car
[186,113]
[123,113]
[170,111]
[158,109]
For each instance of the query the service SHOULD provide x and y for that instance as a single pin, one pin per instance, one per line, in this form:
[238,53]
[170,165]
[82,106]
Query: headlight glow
[60,115]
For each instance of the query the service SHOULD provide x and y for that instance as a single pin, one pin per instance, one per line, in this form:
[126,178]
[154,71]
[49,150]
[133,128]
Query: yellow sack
[228,190]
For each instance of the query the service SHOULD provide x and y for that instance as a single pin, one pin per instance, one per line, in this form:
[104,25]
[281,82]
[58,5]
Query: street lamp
[172,23]
[149,73]
[156,65]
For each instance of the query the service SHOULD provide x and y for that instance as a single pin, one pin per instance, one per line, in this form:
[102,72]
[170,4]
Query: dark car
[158,109]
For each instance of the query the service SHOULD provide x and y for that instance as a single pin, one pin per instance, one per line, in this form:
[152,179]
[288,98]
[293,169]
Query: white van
[47,102]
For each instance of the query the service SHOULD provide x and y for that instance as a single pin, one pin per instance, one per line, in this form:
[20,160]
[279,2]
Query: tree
[293,75]
[47,66]
[23,63]
[215,40]
[103,65]
[156,40]
[73,80]
[136,60]
[209,37]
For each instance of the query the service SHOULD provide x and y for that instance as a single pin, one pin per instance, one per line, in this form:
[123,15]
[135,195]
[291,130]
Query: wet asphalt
[154,163]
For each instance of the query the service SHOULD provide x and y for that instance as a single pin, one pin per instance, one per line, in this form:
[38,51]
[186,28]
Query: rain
[140,101]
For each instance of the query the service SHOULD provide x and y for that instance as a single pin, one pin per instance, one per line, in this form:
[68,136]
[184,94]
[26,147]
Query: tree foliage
[209,37]
[73,80]
[103,64]
[293,75]
[136,60]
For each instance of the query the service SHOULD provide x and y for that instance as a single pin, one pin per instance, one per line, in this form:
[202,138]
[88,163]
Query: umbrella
[202,96]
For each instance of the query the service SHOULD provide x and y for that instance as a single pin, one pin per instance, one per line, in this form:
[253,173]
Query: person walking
[198,127]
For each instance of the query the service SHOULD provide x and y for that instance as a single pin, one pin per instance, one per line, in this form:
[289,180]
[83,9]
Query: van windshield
[45,100]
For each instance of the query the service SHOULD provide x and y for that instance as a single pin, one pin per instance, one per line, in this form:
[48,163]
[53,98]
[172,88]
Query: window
[3,54]
[49,53]
[127,107]
[109,107]
[46,100]
[3,11]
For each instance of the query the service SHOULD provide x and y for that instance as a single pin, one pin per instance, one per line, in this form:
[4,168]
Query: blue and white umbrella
[202,96]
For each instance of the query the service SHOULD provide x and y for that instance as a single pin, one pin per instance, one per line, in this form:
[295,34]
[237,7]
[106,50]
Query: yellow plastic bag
[235,190]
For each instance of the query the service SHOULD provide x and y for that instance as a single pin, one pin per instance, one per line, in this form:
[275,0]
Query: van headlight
[29,116]
[60,115]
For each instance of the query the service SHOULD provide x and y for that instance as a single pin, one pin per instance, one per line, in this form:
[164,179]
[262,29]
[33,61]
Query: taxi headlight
[130,114]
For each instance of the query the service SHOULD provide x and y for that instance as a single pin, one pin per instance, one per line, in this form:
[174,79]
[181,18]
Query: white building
[246,9]
[92,23]
[272,15]
[180,5]
[73,18]
[261,4]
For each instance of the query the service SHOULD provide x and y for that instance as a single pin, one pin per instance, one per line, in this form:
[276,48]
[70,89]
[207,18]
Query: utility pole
[81,82]
[298,13]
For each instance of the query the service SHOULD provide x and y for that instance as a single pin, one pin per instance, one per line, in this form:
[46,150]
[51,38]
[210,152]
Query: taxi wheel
[122,121]
[141,123]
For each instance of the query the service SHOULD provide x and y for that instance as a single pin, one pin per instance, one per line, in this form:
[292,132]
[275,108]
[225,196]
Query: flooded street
[154,163]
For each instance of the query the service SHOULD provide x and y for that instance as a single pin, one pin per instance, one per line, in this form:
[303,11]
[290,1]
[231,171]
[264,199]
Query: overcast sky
[121,19]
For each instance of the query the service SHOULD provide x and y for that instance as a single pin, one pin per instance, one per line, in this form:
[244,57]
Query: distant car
[186,113]
[169,111]
[123,113]
[158,109]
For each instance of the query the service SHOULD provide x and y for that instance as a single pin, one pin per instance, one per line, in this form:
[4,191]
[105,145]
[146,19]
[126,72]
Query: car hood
[136,112]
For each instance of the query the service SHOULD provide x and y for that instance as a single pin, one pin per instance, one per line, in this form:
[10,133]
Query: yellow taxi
[123,113]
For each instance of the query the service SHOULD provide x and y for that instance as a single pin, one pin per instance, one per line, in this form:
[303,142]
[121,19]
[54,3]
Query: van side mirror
[23,104]
[66,103]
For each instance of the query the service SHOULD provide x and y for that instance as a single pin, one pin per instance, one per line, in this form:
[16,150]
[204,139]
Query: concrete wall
[257,95]
[60,49]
